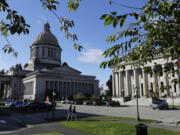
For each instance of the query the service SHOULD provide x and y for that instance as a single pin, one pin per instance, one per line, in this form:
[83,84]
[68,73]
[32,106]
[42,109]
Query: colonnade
[70,88]
[124,83]
[4,87]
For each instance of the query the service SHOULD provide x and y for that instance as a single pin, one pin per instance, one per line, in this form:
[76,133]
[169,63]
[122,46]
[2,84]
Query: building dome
[46,37]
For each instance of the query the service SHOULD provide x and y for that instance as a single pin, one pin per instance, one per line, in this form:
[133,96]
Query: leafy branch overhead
[155,31]
[16,24]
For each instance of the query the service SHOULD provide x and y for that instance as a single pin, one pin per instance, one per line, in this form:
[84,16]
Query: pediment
[69,70]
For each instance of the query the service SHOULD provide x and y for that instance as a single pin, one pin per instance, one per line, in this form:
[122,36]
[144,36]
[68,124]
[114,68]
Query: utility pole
[137,106]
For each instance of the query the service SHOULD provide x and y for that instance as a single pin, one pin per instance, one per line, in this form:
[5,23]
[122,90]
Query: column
[120,87]
[165,80]
[116,84]
[113,86]
[5,90]
[127,84]
[135,82]
[154,81]
[177,77]
[144,83]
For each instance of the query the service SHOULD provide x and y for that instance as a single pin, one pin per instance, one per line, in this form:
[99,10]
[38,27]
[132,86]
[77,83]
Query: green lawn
[50,134]
[176,106]
[112,128]
[122,118]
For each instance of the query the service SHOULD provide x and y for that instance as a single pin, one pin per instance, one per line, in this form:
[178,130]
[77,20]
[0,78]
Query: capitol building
[45,71]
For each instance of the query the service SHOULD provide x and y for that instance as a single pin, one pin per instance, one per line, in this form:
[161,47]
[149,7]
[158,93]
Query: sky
[89,28]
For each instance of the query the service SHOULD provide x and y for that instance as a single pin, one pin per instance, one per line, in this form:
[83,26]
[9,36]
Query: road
[167,116]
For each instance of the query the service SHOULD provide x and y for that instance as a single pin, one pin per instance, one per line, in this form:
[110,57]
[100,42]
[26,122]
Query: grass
[112,128]
[55,133]
[121,118]
[176,106]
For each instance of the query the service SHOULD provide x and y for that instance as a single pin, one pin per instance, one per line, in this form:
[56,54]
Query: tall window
[37,51]
[48,52]
[43,51]
[51,52]
[175,88]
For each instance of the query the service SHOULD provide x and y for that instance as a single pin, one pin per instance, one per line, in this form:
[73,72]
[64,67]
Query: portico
[124,80]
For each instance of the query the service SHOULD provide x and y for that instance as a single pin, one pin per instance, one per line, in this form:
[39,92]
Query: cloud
[41,20]
[91,56]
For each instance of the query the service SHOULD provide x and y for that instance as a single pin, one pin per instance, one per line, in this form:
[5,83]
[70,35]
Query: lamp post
[137,117]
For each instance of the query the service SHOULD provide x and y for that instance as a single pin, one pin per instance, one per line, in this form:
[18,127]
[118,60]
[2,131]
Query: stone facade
[46,72]
[125,80]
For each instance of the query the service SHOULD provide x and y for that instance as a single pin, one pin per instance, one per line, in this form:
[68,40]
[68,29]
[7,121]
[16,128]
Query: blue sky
[89,28]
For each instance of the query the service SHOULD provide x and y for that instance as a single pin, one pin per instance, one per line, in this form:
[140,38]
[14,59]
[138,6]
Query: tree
[80,96]
[109,84]
[14,23]
[155,31]
[2,71]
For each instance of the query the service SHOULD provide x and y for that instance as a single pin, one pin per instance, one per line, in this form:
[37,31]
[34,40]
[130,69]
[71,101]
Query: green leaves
[73,4]
[49,4]
[78,47]
[8,49]
[153,31]
[112,18]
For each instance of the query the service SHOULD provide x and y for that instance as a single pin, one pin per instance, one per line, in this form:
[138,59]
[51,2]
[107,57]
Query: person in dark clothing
[74,113]
[69,113]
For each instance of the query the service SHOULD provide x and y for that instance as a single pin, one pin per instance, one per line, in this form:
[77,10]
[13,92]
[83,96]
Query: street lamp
[137,117]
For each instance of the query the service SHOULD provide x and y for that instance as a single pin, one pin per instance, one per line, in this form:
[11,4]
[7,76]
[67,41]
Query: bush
[80,96]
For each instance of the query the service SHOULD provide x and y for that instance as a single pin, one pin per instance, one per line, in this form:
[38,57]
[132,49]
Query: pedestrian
[69,113]
[74,113]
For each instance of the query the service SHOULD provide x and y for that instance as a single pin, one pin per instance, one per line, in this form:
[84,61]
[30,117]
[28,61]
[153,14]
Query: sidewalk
[46,128]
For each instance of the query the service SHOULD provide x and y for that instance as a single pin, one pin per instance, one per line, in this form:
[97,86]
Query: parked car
[159,104]
[14,104]
[87,103]
[38,106]
[78,102]
[99,103]
[114,103]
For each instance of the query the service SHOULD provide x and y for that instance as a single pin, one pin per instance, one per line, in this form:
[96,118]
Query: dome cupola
[46,37]
[45,50]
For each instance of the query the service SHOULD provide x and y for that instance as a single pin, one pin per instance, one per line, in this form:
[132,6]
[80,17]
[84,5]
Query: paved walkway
[45,128]
[37,124]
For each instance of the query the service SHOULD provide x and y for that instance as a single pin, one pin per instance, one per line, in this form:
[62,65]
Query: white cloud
[91,56]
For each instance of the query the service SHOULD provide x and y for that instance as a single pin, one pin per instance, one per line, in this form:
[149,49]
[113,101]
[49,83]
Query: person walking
[74,113]
[69,113]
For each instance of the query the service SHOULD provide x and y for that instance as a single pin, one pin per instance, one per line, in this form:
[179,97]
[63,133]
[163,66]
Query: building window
[152,86]
[174,88]
[43,51]
[37,53]
[162,87]
[48,52]
[142,89]
[51,52]
[151,74]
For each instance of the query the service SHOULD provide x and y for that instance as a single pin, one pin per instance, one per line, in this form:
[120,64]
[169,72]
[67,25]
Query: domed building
[45,73]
